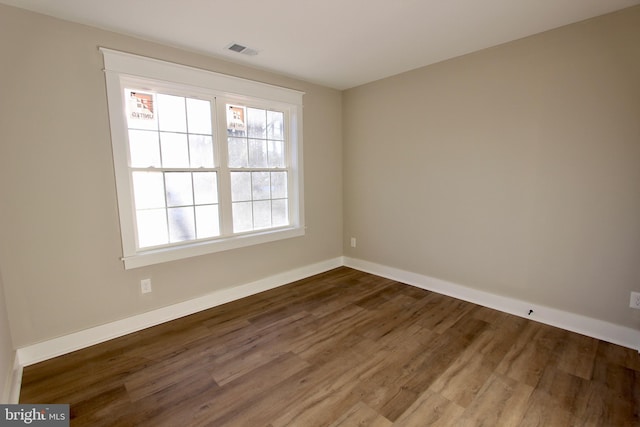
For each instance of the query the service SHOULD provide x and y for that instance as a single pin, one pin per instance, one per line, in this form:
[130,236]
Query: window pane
[152,227]
[260,185]
[199,116]
[205,187]
[257,153]
[148,190]
[179,189]
[256,123]
[175,153]
[262,214]
[240,186]
[238,153]
[181,224]
[207,221]
[242,217]
[144,148]
[278,185]
[280,212]
[172,115]
[141,110]
[201,151]
[275,154]
[275,125]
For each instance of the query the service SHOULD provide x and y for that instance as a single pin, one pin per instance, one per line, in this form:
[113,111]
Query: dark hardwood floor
[345,348]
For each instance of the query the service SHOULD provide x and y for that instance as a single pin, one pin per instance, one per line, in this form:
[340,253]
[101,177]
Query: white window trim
[120,66]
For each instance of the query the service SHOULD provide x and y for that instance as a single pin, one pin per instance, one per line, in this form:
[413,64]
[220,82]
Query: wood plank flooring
[345,348]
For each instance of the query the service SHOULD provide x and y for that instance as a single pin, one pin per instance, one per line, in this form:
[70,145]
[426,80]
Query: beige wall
[60,240]
[514,170]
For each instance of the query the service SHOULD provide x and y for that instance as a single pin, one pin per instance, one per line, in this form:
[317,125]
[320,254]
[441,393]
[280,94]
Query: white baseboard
[65,344]
[11,392]
[615,334]
[599,329]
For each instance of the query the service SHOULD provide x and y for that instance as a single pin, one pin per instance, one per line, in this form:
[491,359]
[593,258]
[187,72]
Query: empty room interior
[294,213]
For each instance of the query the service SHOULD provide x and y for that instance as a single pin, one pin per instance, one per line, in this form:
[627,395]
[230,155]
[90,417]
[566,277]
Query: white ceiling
[336,43]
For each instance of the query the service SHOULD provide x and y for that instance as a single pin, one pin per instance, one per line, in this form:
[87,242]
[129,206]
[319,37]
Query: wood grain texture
[345,348]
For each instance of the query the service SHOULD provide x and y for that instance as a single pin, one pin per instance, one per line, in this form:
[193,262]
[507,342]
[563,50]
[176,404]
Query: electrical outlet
[145,286]
[635,300]
[353,242]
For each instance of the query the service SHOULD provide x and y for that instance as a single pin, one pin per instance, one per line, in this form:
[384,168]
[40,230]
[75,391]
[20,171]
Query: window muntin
[172,163]
[257,162]
[174,172]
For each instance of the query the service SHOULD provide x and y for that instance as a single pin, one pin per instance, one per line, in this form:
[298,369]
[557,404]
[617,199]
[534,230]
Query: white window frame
[121,69]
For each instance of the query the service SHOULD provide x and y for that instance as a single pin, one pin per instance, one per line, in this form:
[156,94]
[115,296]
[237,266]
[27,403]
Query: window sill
[157,256]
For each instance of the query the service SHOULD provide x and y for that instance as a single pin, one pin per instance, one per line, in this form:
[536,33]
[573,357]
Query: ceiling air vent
[242,49]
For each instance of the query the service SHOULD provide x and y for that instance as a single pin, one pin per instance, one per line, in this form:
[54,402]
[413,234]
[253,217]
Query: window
[204,162]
